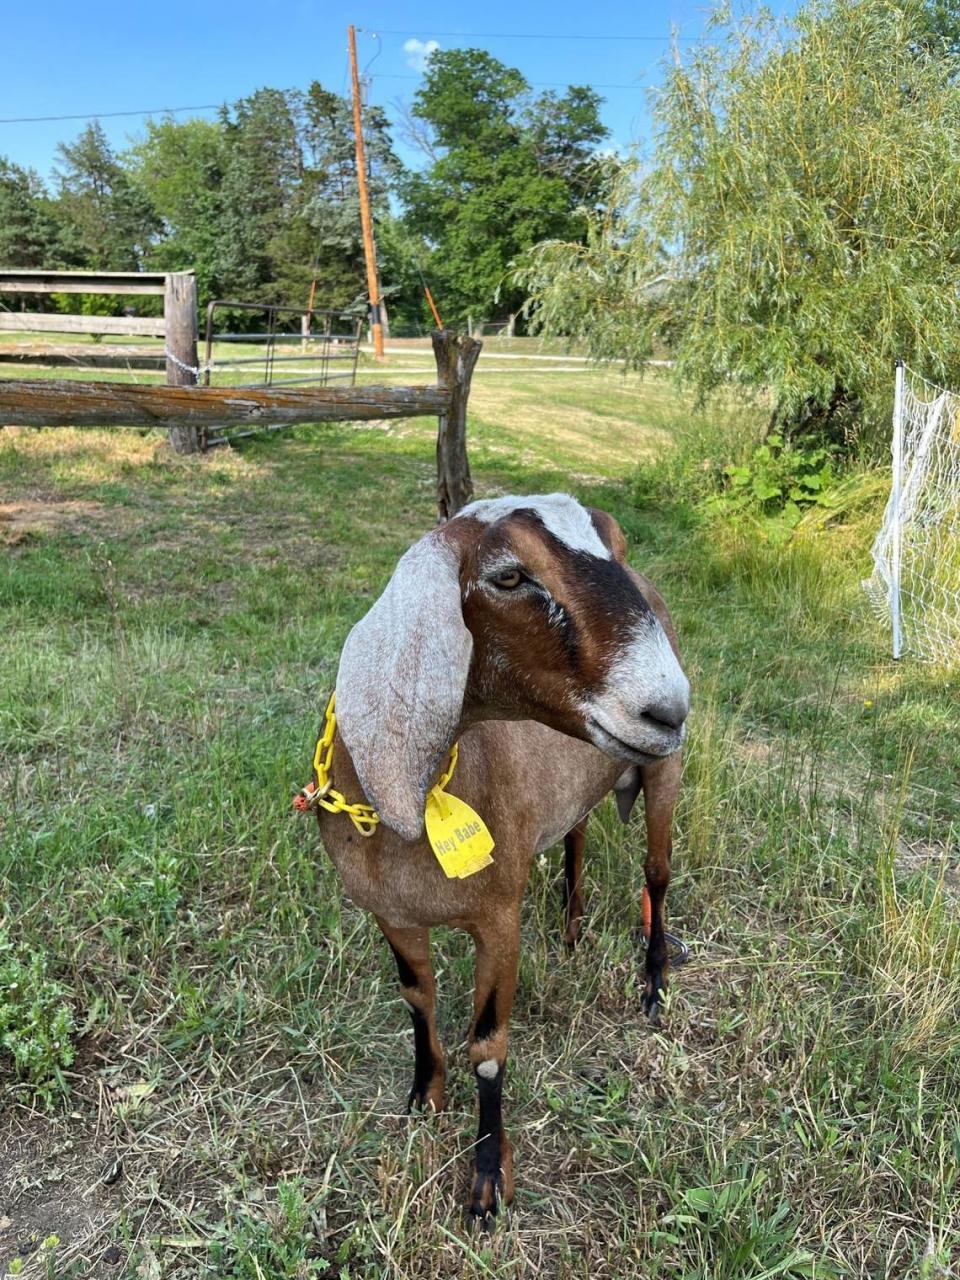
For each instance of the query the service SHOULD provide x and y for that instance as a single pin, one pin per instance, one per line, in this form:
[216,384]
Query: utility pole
[366,221]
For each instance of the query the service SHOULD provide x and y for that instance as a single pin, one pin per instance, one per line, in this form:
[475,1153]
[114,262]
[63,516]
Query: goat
[518,629]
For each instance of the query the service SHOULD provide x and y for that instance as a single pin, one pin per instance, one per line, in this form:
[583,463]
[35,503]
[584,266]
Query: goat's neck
[343,775]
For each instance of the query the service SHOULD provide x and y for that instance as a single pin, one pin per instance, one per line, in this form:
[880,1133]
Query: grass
[242,1055]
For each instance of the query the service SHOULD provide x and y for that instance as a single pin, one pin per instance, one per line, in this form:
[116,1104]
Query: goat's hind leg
[661,784]
[411,950]
[498,951]
[573,843]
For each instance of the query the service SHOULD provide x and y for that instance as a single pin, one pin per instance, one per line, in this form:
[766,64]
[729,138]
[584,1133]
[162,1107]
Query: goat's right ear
[611,535]
[400,687]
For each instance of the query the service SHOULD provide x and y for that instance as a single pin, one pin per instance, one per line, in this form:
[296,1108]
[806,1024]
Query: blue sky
[66,58]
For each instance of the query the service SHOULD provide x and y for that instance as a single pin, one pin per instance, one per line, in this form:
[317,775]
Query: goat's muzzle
[640,713]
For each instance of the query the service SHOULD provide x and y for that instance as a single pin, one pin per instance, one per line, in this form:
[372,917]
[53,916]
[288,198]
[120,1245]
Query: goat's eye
[508,579]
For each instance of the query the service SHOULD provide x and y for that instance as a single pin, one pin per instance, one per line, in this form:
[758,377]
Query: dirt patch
[54,1169]
[18,520]
[934,857]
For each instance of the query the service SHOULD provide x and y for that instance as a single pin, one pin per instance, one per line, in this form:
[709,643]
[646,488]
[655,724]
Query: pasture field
[171,628]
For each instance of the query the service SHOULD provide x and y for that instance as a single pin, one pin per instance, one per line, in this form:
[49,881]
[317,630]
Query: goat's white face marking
[488,1069]
[562,516]
[640,711]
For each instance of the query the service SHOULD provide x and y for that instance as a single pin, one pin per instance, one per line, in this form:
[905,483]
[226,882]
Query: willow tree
[798,226]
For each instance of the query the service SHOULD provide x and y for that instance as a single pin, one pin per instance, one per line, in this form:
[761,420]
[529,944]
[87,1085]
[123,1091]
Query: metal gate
[295,346]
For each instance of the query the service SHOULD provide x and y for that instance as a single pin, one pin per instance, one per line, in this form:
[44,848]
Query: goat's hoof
[487,1198]
[651,1002]
[574,914]
[426,1097]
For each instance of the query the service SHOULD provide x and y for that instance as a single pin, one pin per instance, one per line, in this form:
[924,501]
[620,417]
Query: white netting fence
[916,554]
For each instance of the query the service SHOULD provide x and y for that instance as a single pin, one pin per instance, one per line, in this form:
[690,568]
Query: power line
[107,115]
[527,35]
[534,84]
[215,106]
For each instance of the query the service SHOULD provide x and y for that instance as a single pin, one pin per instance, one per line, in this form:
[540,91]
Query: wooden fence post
[455,358]
[180,315]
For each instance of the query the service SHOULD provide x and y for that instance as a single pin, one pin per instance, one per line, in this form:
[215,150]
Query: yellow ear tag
[457,835]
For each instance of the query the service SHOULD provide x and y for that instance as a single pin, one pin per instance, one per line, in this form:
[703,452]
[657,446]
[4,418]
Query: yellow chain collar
[363,816]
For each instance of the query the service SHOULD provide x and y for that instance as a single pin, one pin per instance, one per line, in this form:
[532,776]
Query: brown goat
[518,629]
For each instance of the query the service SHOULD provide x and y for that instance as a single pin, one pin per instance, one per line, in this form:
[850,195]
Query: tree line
[793,227]
[262,201]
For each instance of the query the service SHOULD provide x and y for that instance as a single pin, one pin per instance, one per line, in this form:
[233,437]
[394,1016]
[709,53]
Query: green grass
[171,628]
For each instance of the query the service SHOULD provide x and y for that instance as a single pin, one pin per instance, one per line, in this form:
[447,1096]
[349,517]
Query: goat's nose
[671,707]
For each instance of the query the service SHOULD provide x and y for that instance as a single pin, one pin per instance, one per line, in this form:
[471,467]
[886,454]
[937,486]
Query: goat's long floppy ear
[611,535]
[626,789]
[401,682]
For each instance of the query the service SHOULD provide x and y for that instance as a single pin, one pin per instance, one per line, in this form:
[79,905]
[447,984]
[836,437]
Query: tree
[264,165]
[28,233]
[325,240]
[506,169]
[107,223]
[799,227]
[179,167]
[263,201]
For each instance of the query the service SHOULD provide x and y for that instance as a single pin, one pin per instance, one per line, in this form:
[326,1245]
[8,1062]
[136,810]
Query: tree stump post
[455,358]
[180,316]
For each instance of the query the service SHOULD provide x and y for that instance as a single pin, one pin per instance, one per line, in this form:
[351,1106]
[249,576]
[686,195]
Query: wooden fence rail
[125,282]
[41,322]
[191,412]
[177,325]
[61,403]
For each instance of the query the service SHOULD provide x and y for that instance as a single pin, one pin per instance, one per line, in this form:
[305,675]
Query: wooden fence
[189,411]
[177,326]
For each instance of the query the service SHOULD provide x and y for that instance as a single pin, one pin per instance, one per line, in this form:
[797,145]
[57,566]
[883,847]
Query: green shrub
[281,1244]
[36,1022]
[779,481]
[729,469]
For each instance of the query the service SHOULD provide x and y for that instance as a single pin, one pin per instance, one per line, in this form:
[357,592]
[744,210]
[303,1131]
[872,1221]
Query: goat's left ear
[611,535]
[626,789]
[403,672]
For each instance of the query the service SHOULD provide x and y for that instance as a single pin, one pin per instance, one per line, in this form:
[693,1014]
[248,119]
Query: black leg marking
[423,1063]
[407,976]
[569,869]
[488,1181]
[573,843]
[487,1022]
[656,962]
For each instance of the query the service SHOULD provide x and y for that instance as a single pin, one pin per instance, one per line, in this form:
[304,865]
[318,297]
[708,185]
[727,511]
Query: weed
[278,1241]
[36,1022]
[775,485]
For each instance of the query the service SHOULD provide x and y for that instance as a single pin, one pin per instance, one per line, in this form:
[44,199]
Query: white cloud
[418,51]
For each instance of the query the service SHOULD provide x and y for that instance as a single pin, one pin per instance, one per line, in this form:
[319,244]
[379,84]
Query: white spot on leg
[488,1069]
[411,1007]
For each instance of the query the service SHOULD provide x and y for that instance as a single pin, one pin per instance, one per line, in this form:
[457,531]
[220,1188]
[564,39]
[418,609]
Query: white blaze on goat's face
[641,710]
[561,515]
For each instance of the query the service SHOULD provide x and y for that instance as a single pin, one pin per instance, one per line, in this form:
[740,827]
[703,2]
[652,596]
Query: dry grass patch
[19,520]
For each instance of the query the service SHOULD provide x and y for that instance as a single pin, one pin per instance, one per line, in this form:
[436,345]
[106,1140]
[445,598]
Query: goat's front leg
[661,783]
[411,950]
[498,949]
[573,843]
